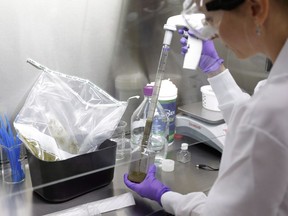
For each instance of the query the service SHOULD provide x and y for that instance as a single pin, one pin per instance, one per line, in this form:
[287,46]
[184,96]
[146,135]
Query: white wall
[70,36]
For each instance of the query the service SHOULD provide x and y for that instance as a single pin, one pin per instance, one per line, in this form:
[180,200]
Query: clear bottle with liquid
[184,155]
[159,132]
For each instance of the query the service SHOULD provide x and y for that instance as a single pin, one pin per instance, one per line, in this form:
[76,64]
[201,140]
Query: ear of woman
[259,11]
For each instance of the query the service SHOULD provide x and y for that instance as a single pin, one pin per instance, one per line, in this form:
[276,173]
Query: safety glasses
[204,17]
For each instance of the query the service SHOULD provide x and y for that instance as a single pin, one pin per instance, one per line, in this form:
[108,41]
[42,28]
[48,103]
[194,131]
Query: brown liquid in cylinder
[136,177]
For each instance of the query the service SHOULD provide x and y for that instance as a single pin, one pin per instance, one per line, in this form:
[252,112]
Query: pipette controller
[193,54]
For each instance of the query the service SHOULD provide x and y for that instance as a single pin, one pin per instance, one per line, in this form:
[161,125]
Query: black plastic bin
[98,164]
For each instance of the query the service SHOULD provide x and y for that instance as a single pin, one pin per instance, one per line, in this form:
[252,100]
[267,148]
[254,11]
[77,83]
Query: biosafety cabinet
[117,47]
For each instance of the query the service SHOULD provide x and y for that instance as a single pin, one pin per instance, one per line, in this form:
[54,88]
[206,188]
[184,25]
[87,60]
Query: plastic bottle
[159,132]
[184,155]
[167,98]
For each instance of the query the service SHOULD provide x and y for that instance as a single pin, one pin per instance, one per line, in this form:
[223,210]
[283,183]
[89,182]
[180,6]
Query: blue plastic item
[11,146]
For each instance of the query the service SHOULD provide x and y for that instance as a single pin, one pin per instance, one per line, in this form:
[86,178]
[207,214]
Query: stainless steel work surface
[19,199]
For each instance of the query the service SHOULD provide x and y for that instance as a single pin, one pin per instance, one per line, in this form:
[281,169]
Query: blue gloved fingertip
[183,41]
[125,175]
[152,167]
[181,31]
[184,50]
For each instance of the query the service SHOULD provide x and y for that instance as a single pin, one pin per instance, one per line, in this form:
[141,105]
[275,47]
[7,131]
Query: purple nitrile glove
[150,187]
[210,61]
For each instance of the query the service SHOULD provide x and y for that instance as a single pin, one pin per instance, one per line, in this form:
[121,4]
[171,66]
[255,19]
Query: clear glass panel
[117,47]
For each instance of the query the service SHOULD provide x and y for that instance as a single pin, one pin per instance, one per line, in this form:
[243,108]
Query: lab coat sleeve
[250,182]
[243,186]
[228,93]
[179,204]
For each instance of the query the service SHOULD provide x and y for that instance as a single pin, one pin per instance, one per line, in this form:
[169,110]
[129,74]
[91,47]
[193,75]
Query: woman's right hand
[210,62]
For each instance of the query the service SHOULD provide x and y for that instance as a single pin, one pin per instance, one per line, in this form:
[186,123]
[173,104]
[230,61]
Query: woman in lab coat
[253,175]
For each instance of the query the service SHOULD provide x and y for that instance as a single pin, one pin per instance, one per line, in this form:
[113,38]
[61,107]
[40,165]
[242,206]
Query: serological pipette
[155,95]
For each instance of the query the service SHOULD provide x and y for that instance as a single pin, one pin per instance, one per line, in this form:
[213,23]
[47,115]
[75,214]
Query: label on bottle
[167,98]
[170,108]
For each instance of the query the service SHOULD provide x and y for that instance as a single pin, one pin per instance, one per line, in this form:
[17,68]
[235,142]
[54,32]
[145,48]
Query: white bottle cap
[168,90]
[184,146]
[168,165]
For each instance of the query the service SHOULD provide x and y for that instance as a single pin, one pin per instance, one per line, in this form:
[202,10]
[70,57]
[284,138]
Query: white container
[167,98]
[209,100]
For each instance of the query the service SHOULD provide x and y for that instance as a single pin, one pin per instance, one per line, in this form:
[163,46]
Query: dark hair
[284,2]
[223,4]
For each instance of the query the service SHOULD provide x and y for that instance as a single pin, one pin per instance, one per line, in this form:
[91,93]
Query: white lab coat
[253,176]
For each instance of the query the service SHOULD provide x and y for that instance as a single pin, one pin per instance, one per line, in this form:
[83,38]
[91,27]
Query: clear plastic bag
[65,116]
